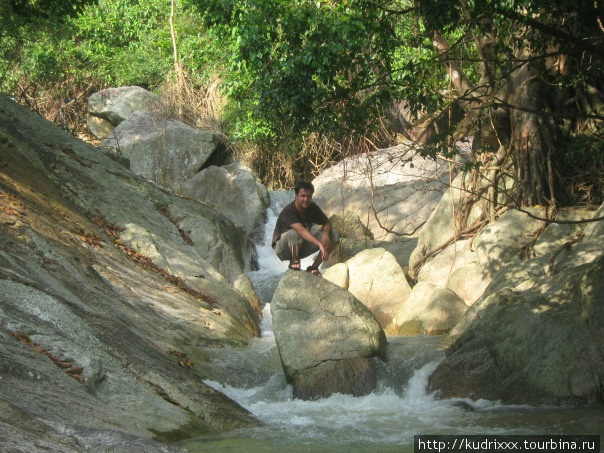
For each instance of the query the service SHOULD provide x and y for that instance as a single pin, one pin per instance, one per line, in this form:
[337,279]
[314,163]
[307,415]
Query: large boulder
[354,237]
[233,191]
[375,278]
[210,240]
[574,244]
[442,226]
[469,281]
[326,338]
[393,190]
[457,268]
[164,151]
[429,310]
[103,346]
[108,108]
[537,333]
[507,238]
[443,264]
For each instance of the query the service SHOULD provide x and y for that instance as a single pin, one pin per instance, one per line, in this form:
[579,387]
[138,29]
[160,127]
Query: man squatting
[302,229]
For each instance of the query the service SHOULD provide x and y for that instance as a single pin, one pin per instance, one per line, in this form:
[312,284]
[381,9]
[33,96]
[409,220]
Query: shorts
[291,238]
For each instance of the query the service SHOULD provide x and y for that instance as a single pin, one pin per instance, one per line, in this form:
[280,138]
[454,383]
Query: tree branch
[582,44]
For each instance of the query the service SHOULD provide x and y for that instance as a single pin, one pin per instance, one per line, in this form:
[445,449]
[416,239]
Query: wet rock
[327,339]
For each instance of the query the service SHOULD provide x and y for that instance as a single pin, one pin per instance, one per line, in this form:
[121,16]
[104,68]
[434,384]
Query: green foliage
[111,43]
[15,15]
[306,77]
[301,66]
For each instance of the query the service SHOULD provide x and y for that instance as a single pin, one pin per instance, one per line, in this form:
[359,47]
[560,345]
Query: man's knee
[293,238]
[288,240]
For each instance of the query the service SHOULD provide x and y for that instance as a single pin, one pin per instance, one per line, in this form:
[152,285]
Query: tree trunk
[531,135]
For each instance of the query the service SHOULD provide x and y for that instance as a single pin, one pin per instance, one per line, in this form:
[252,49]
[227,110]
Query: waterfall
[384,421]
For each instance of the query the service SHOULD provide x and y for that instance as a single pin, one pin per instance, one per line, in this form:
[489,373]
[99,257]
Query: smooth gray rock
[500,242]
[377,280]
[443,223]
[101,346]
[469,282]
[164,151]
[108,108]
[530,341]
[354,237]
[428,310]
[443,264]
[233,191]
[402,189]
[326,338]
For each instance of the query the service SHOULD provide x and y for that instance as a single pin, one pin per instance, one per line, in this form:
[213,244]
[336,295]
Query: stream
[384,421]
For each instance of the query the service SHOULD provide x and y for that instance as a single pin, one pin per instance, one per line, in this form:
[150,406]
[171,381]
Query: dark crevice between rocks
[220,156]
[66,365]
[183,234]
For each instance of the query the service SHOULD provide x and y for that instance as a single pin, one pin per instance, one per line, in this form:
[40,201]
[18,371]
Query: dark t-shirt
[290,215]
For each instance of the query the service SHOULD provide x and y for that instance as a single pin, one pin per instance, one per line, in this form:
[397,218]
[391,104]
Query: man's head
[306,185]
[304,191]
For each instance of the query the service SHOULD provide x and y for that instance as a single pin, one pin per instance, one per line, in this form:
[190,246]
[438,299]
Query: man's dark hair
[304,185]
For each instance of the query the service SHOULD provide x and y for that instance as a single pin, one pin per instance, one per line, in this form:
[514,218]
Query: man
[302,228]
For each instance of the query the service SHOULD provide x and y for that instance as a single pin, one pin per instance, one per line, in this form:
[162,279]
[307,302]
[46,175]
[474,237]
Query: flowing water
[384,421]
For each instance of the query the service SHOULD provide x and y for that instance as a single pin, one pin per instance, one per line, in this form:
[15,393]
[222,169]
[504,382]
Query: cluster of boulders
[185,160]
[118,267]
[519,299]
[399,254]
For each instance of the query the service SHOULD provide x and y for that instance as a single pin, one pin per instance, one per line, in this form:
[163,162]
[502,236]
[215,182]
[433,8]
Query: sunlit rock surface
[327,339]
[110,289]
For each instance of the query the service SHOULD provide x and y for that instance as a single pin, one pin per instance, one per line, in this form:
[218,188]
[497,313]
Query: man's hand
[323,250]
[325,245]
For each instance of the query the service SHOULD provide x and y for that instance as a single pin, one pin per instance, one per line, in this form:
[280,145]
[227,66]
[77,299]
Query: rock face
[375,278]
[166,152]
[428,311]
[108,108]
[457,268]
[109,290]
[326,338]
[537,334]
[354,237]
[440,226]
[403,190]
[233,191]
[499,242]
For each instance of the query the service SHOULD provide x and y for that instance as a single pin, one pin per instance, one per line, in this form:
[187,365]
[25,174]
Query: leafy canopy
[16,14]
[300,66]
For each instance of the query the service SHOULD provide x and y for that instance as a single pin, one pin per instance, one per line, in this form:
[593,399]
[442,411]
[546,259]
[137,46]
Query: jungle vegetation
[296,85]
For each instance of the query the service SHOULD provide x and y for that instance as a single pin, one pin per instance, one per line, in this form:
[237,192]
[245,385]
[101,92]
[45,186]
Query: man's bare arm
[308,236]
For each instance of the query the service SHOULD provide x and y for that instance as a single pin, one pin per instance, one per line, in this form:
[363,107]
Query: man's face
[303,198]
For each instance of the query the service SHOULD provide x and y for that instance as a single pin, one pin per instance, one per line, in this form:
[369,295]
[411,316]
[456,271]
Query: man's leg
[288,247]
